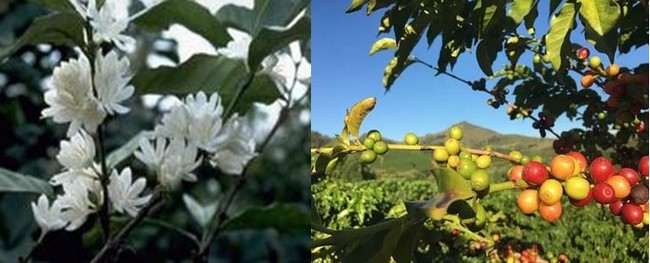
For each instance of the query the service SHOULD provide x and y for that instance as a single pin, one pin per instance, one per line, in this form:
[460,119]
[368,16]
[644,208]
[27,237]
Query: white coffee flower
[48,218]
[79,152]
[206,120]
[71,98]
[86,176]
[124,193]
[175,123]
[179,163]
[111,82]
[171,162]
[151,156]
[76,205]
[235,146]
[109,22]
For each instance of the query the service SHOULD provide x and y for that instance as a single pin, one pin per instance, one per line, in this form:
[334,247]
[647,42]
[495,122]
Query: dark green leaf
[633,29]
[605,44]
[190,14]
[271,39]
[263,90]
[20,183]
[265,13]
[554,4]
[376,248]
[58,5]
[403,253]
[286,218]
[599,15]
[356,5]
[486,53]
[519,10]
[557,38]
[529,19]
[65,28]
[122,153]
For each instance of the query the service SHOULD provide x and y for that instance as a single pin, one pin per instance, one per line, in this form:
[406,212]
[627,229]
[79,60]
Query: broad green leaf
[519,9]
[486,53]
[450,180]
[286,218]
[265,13]
[58,5]
[412,34]
[403,253]
[210,74]
[392,71]
[356,5]
[557,37]
[20,183]
[529,19]
[272,38]
[436,207]
[64,28]
[633,33]
[435,28]
[489,9]
[122,153]
[605,44]
[383,44]
[190,14]
[553,5]
[600,15]
[376,248]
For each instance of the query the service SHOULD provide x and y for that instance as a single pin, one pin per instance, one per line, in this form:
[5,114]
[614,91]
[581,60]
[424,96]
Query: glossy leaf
[265,13]
[600,15]
[404,252]
[557,37]
[383,44]
[20,183]
[286,218]
[486,53]
[210,74]
[605,44]
[519,10]
[122,153]
[190,14]
[65,28]
[273,38]
[450,180]
[376,248]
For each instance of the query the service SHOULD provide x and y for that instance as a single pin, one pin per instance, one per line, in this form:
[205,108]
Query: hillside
[408,163]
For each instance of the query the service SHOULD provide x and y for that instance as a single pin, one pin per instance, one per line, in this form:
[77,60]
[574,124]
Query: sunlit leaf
[190,14]
[557,38]
[519,10]
[356,5]
[600,15]
[383,44]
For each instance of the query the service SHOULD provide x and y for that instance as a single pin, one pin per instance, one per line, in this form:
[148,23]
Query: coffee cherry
[601,168]
[587,81]
[524,159]
[621,186]
[480,180]
[582,161]
[639,194]
[582,53]
[440,155]
[537,59]
[550,192]
[465,168]
[612,70]
[380,147]
[483,161]
[550,213]
[368,156]
[516,155]
[411,139]
[369,143]
[632,214]
[534,173]
[481,217]
[604,193]
[456,132]
[465,155]
[515,173]
[452,146]
[583,202]
[454,232]
[537,158]
[577,187]
[615,207]
[453,161]
[375,135]
[594,62]
[563,167]
[601,116]
[528,201]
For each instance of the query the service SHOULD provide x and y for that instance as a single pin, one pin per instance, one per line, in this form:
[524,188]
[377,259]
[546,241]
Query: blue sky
[343,73]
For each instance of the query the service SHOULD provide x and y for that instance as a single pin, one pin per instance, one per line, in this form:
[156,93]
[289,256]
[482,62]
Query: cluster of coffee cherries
[624,190]
[374,146]
[628,93]
[512,252]
[469,166]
